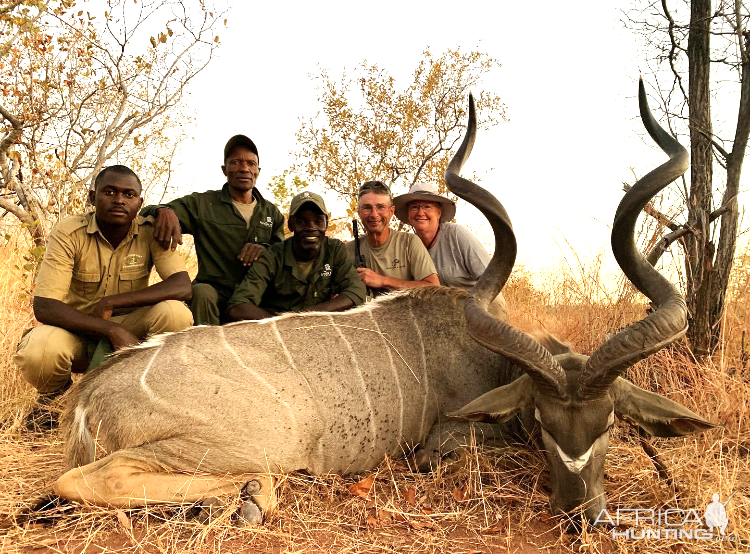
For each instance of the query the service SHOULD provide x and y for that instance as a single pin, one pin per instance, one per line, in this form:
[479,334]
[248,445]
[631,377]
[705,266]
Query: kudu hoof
[426,460]
[252,487]
[208,510]
[249,514]
[429,460]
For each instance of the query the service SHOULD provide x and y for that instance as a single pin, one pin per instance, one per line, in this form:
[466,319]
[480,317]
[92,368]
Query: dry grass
[496,503]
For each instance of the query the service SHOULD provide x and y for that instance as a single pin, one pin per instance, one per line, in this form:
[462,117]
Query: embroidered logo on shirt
[326,271]
[132,261]
[267,223]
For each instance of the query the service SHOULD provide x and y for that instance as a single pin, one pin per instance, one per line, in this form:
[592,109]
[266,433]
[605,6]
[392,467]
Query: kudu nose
[573,507]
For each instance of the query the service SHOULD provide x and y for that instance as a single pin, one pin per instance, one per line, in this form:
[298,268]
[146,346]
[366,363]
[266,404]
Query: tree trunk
[698,246]
[728,233]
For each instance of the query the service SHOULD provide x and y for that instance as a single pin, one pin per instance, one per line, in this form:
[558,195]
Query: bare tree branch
[656,214]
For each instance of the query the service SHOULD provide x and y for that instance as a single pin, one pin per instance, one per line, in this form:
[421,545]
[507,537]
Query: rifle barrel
[730,498]
[359,259]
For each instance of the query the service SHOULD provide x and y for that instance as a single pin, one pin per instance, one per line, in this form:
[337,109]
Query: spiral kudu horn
[486,329]
[669,321]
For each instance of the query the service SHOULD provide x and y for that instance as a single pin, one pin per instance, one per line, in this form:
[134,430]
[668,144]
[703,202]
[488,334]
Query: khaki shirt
[402,256]
[80,267]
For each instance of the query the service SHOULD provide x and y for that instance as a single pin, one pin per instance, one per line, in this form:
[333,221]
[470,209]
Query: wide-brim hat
[428,193]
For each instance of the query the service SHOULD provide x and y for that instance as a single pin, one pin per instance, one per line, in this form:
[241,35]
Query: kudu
[571,398]
[198,413]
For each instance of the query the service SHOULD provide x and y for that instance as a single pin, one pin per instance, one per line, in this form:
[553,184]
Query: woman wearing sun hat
[459,257]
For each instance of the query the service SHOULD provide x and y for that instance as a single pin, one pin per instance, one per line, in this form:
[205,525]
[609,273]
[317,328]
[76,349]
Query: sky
[568,80]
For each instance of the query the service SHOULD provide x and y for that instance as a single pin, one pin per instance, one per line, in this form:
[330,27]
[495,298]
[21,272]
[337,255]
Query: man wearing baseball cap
[231,228]
[307,272]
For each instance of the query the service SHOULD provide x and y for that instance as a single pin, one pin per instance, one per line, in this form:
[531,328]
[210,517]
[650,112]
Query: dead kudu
[200,413]
[571,398]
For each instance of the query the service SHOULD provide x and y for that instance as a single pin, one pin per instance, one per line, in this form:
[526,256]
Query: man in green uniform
[231,228]
[307,272]
[93,284]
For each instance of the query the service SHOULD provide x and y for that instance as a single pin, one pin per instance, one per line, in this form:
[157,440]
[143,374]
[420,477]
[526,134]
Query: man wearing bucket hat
[394,260]
[306,272]
[231,228]
[459,257]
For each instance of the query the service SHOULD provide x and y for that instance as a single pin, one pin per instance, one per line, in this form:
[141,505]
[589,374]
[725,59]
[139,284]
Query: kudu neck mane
[431,302]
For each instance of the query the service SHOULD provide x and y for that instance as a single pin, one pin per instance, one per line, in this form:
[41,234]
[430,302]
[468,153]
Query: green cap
[303,198]
[240,140]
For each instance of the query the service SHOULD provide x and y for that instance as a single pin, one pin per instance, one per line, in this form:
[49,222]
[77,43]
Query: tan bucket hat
[428,193]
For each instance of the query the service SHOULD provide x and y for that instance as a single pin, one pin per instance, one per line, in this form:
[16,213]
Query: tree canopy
[370,129]
[83,90]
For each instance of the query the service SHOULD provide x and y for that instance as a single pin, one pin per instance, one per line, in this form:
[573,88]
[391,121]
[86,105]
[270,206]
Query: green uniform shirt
[220,232]
[275,284]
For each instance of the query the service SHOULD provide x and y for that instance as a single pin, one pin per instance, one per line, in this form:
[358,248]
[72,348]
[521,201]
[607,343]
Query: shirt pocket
[324,289]
[260,235]
[85,284]
[133,279]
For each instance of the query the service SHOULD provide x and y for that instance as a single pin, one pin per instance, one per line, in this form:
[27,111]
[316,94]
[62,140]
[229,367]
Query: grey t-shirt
[459,257]
[460,260]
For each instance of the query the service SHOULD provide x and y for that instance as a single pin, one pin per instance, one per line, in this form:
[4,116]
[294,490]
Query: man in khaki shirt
[394,260]
[93,284]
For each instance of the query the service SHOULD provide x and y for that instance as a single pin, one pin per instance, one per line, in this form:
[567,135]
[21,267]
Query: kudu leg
[447,442]
[128,482]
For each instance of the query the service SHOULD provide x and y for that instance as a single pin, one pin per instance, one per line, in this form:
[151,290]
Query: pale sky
[568,78]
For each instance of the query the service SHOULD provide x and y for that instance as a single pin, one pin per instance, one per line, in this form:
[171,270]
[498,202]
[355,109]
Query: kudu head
[574,398]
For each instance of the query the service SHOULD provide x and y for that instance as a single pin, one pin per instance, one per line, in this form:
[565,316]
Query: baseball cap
[303,198]
[240,140]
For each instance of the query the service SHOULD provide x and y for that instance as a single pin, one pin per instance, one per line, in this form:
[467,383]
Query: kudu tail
[79,444]
[80,448]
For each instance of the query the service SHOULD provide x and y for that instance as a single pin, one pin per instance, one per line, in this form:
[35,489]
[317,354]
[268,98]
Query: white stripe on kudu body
[426,398]
[392,365]
[289,355]
[262,380]
[365,392]
[149,392]
[318,458]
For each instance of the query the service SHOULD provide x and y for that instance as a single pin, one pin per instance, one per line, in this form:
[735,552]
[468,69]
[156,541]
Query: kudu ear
[500,404]
[656,414]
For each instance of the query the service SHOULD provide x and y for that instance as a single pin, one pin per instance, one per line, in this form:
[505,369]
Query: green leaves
[284,188]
